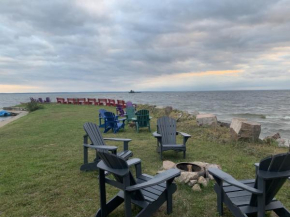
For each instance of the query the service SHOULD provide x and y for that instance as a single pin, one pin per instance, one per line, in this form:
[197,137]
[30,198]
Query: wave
[250,115]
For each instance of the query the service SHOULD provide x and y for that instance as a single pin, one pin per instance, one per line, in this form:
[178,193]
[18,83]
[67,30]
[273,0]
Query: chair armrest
[162,177]
[133,161]
[183,134]
[120,172]
[118,139]
[125,144]
[156,135]
[102,147]
[219,174]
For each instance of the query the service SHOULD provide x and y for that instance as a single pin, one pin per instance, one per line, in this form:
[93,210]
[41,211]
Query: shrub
[33,106]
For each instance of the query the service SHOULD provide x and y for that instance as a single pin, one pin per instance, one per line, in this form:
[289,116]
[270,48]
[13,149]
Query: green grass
[40,156]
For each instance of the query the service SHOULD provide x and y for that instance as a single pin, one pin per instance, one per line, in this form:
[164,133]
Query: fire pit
[190,167]
[194,174]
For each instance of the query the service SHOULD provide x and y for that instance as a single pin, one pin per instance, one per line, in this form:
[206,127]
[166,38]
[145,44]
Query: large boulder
[206,120]
[242,129]
[168,165]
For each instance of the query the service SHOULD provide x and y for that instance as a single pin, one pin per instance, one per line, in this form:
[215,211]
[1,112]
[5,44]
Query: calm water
[270,108]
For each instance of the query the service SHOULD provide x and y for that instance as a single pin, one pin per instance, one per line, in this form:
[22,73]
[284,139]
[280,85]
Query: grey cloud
[124,42]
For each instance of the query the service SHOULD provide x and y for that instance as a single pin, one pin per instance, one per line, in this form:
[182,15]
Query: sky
[144,45]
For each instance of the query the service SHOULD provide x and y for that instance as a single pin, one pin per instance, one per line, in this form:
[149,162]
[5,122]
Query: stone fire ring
[194,174]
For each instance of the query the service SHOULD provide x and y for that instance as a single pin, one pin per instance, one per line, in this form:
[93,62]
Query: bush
[33,106]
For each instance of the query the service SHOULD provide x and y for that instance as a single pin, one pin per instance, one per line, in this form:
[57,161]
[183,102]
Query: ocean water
[270,108]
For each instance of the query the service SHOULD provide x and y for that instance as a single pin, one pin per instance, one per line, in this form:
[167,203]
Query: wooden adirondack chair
[92,101]
[121,103]
[119,111]
[82,101]
[112,122]
[102,118]
[47,100]
[98,143]
[130,104]
[166,136]
[61,100]
[40,100]
[254,196]
[72,101]
[103,102]
[130,114]
[142,119]
[145,191]
[111,102]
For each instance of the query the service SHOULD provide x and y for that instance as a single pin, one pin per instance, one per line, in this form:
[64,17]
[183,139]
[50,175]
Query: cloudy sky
[95,45]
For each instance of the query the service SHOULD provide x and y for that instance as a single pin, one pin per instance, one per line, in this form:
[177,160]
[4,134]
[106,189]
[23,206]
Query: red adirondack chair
[103,102]
[61,100]
[92,101]
[111,102]
[82,101]
[121,103]
[72,101]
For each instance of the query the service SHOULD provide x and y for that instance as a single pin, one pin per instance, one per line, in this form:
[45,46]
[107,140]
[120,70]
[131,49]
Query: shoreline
[20,114]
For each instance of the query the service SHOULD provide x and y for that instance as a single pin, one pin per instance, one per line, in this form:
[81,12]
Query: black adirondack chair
[166,136]
[254,196]
[145,191]
[98,143]
[142,119]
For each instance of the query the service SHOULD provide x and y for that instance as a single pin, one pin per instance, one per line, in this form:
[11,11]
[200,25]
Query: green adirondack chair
[130,113]
[142,119]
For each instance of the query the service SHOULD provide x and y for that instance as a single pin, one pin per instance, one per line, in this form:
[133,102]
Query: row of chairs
[110,121]
[92,101]
[242,197]
[40,100]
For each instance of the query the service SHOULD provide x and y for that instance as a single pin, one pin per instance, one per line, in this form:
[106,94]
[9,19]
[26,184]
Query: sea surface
[270,108]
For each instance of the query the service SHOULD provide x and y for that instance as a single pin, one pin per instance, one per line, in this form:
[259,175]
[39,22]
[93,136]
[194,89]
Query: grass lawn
[41,153]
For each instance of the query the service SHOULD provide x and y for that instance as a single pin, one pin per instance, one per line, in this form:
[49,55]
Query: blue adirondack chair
[102,117]
[112,122]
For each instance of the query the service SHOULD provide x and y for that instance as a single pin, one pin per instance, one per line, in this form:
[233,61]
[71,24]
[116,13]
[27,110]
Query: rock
[242,129]
[168,165]
[269,139]
[196,187]
[206,120]
[192,182]
[201,180]
[168,110]
[182,177]
[282,143]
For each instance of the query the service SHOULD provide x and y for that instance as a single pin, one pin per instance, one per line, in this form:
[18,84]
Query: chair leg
[184,154]
[128,211]
[220,197]
[169,200]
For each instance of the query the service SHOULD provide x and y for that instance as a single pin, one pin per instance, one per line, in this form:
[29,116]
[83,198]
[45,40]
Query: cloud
[121,45]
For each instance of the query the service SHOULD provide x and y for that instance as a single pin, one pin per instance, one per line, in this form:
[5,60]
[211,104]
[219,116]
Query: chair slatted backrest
[129,104]
[117,163]
[130,111]
[120,110]
[47,99]
[102,113]
[143,117]
[94,133]
[276,163]
[110,119]
[166,126]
